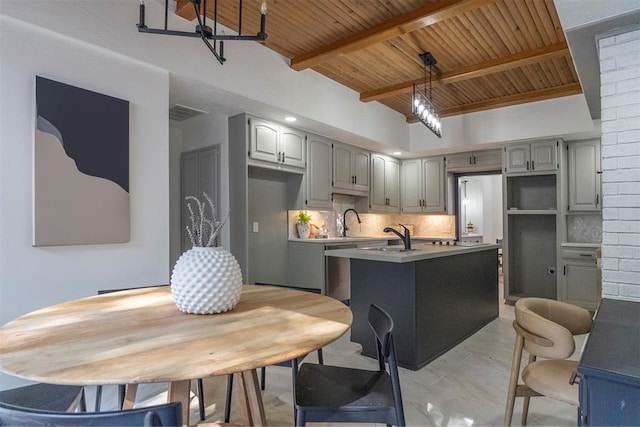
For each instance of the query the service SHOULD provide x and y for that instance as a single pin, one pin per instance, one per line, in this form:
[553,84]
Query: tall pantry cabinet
[531,193]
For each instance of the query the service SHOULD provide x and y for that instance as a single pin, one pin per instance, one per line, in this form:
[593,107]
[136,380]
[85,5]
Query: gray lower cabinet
[578,283]
[306,266]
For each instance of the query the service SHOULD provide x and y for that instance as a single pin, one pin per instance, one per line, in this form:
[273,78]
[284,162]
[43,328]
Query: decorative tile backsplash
[433,226]
[585,228]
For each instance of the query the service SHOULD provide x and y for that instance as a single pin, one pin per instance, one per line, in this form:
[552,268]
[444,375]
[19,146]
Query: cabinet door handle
[279,156]
[474,160]
[470,162]
[283,157]
[527,164]
[575,378]
[564,270]
[597,199]
[533,165]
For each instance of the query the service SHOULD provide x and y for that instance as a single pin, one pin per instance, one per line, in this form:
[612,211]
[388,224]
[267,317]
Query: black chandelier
[421,104]
[205,32]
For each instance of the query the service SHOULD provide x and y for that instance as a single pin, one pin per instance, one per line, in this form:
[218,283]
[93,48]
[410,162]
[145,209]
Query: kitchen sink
[388,249]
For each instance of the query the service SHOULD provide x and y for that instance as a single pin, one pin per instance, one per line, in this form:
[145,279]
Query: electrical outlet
[256,227]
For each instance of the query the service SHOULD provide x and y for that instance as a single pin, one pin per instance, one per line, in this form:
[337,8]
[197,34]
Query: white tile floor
[466,386]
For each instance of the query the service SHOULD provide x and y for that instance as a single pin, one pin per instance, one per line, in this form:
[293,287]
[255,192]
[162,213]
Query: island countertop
[420,252]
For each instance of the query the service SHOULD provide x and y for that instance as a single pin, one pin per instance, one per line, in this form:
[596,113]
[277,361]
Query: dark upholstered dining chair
[336,394]
[46,397]
[169,414]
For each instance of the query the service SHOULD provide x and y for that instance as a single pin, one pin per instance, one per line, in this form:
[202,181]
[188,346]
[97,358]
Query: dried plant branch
[203,229]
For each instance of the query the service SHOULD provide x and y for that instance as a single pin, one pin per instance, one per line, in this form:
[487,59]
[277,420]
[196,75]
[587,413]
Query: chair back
[548,326]
[382,325]
[169,414]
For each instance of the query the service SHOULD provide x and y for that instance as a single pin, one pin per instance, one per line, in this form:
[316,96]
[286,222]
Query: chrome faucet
[344,222]
[406,239]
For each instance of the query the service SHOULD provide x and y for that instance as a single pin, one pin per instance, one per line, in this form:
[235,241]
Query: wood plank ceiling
[490,53]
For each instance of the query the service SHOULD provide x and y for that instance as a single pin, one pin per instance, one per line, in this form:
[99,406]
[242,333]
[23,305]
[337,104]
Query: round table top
[140,336]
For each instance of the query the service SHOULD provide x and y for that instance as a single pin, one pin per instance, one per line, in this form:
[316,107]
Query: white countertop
[421,252]
[331,240]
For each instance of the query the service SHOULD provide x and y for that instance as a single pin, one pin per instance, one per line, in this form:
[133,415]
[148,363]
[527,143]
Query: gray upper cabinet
[423,185]
[350,169]
[485,160]
[318,173]
[277,144]
[531,157]
[434,185]
[385,184]
[411,186]
[584,175]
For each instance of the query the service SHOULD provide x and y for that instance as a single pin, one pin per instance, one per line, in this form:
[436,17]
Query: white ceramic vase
[303,229]
[206,280]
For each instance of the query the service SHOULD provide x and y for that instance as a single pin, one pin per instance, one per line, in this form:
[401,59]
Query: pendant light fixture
[205,32]
[421,104]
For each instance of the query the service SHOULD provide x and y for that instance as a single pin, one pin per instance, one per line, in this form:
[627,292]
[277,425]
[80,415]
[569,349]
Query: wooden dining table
[139,336]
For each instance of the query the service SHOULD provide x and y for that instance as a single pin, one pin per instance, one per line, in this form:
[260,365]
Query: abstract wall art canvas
[80,167]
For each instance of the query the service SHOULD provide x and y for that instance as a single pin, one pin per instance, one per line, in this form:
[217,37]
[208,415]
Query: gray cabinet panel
[319,173]
[584,175]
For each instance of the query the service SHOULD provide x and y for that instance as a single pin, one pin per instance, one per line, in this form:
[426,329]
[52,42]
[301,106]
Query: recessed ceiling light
[290,119]
[397,153]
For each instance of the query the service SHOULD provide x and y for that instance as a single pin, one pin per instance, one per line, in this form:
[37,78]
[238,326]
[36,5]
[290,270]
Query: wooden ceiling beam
[184,9]
[506,101]
[517,60]
[419,18]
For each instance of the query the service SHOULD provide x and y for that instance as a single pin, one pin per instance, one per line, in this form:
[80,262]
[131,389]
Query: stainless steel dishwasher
[338,274]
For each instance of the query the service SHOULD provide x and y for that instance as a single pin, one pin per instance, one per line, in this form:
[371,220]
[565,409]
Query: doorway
[479,207]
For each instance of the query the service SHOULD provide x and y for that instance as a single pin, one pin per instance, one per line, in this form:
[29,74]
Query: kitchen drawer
[585,254]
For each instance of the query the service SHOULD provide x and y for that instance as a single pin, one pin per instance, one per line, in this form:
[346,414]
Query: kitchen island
[438,295]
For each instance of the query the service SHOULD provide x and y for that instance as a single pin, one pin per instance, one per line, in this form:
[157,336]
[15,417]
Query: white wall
[620,91]
[34,277]
[252,71]
[491,128]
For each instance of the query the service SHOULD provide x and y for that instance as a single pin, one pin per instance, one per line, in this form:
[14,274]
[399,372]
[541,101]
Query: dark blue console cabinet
[610,367]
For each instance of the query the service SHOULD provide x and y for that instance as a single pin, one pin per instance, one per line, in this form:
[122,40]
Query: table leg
[130,396]
[180,391]
[251,399]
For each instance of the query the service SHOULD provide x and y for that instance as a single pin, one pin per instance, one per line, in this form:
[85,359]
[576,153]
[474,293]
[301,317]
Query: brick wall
[620,92]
